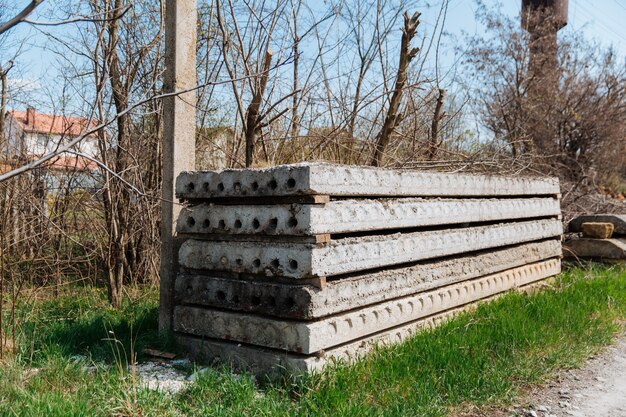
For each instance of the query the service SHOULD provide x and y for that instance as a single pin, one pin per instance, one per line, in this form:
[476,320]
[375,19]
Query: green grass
[485,359]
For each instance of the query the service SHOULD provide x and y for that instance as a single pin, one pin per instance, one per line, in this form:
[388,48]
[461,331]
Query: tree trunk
[252,117]
[434,129]
[393,117]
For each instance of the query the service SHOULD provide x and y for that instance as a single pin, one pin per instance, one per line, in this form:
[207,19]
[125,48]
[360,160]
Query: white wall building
[30,135]
[33,134]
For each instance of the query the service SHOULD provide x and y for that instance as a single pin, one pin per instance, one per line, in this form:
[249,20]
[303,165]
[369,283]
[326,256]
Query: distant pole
[178,137]
[543,19]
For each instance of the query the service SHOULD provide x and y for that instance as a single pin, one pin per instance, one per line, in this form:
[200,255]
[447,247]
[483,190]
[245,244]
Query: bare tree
[570,120]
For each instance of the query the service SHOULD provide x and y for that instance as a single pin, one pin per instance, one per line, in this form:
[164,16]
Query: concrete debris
[162,377]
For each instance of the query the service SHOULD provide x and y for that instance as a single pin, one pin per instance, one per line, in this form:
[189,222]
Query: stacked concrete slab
[597,236]
[299,265]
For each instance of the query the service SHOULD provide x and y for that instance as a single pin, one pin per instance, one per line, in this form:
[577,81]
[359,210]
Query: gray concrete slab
[357,253]
[344,180]
[346,216]
[618,221]
[609,249]
[315,336]
[270,362]
[308,302]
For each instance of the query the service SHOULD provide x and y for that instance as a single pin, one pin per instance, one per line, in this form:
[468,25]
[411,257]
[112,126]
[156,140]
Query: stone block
[597,230]
[315,336]
[617,220]
[344,180]
[307,302]
[356,253]
[347,216]
[609,249]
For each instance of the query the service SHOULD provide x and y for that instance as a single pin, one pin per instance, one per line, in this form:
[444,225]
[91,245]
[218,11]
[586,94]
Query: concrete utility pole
[543,19]
[179,150]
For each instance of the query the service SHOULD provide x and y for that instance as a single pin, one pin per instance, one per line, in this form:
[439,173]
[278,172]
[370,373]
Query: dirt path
[598,389]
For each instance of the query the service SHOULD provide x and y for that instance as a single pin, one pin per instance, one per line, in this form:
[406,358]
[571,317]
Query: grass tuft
[479,359]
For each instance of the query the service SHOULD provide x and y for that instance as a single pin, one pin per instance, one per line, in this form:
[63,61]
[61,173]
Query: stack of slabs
[295,266]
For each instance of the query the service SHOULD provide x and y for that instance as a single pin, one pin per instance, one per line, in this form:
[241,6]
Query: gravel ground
[164,376]
[598,389]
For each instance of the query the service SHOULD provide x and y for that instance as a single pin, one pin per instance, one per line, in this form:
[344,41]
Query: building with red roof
[29,135]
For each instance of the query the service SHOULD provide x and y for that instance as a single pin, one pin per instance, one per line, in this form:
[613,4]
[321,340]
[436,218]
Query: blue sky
[603,20]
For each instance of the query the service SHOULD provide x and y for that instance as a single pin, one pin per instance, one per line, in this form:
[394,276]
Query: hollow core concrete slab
[315,336]
[308,302]
[344,180]
[297,260]
[349,216]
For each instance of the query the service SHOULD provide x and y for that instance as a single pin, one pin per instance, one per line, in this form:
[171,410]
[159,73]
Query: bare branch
[393,117]
[21,16]
[92,18]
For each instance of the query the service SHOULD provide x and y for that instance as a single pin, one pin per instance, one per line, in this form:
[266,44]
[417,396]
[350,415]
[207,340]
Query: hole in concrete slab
[255,300]
[220,186]
[290,302]
[275,263]
[271,301]
[255,185]
[273,184]
[191,221]
[292,222]
[224,260]
[222,224]
[273,223]
[291,183]
[256,263]
[189,289]
[191,186]
[221,295]
[236,299]
[256,224]
[237,187]
[239,261]
[205,186]
[237,224]
[293,264]
[206,223]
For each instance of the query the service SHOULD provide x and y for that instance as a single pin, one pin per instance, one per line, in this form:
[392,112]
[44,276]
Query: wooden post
[179,135]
